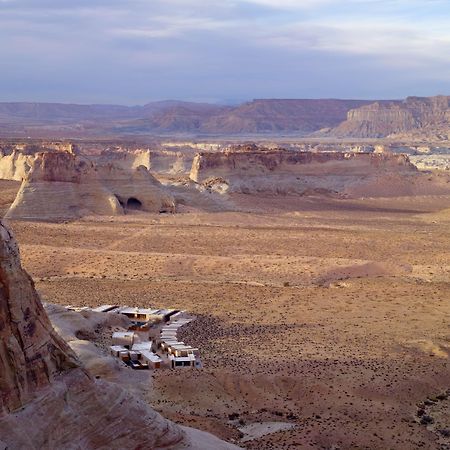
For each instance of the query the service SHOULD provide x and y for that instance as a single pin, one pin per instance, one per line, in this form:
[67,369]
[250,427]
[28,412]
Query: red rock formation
[156,161]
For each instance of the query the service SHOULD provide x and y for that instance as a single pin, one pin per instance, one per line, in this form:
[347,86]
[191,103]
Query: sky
[137,51]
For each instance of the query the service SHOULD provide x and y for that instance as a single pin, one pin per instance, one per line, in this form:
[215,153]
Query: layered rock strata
[15,165]
[250,170]
[157,161]
[64,186]
[416,116]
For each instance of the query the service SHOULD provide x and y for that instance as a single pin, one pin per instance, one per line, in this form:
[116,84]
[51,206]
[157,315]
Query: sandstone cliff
[252,170]
[157,161]
[15,165]
[428,117]
[64,186]
[49,401]
[16,158]
[31,354]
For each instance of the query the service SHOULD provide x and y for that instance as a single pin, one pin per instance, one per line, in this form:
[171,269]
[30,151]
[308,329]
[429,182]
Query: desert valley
[312,255]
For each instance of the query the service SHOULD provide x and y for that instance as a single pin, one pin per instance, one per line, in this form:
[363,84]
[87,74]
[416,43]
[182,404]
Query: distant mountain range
[322,117]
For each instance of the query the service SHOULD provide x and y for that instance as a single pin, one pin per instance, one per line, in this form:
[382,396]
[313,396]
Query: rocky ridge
[410,119]
[257,116]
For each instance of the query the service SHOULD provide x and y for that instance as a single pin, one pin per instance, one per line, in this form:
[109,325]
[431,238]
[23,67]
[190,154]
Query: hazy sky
[135,51]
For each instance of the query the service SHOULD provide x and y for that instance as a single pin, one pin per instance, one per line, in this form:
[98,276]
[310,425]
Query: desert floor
[330,315]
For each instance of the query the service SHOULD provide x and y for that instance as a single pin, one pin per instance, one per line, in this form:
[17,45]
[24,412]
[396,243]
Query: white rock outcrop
[65,186]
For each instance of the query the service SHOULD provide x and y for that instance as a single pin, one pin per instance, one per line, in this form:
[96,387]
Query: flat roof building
[182,361]
[124,338]
[150,358]
[142,346]
[116,350]
[105,308]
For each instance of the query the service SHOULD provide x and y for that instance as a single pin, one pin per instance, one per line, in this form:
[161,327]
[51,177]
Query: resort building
[124,338]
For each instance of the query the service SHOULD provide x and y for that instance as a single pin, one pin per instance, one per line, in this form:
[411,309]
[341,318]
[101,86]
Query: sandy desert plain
[328,316]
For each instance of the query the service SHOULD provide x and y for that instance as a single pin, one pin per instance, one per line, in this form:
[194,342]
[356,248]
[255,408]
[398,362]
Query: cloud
[365,37]
[173,26]
[164,48]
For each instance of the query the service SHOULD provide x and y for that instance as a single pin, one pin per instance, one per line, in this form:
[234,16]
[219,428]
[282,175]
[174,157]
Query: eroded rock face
[49,401]
[64,186]
[16,159]
[157,161]
[426,116]
[251,170]
[15,165]
[32,355]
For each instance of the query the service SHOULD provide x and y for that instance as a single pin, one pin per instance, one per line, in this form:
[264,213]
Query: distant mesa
[262,116]
[426,117]
[415,117]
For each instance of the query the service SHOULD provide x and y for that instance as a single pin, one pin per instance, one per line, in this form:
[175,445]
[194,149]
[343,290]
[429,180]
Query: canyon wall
[157,161]
[428,117]
[49,401]
[279,115]
[249,170]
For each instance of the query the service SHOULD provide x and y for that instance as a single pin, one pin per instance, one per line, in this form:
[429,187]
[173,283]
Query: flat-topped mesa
[341,174]
[59,167]
[426,116]
[378,120]
[280,171]
[61,185]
